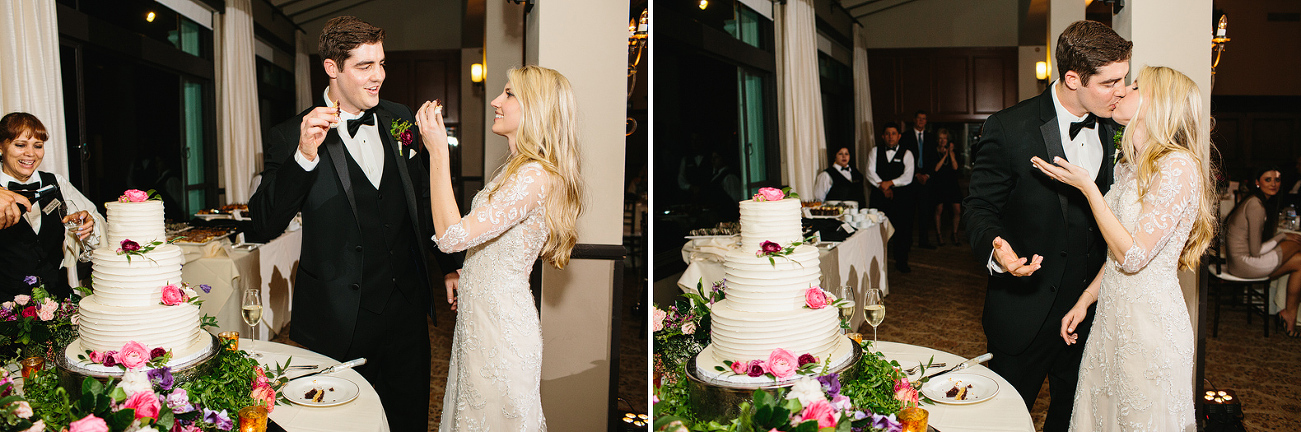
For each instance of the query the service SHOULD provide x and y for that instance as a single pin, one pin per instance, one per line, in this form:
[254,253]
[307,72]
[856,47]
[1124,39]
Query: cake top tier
[775,221]
[141,222]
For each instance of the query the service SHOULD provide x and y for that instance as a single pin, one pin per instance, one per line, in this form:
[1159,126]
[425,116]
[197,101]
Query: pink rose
[904,392]
[133,355]
[89,423]
[22,409]
[820,411]
[172,295]
[782,363]
[96,356]
[266,395]
[47,309]
[135,195]
[659,319]
[740,368]
[815,298]
[756,368]
[769,194]
[145,403]
[22,299]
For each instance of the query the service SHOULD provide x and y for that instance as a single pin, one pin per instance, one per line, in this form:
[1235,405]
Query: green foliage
[873,386]
[228,386]
[49,401]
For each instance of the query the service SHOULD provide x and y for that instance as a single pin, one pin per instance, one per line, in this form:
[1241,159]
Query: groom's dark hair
[1086,46]
[343,34]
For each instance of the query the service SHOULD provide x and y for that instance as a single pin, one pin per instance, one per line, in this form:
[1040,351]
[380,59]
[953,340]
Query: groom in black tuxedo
[1012,207]
[362,287]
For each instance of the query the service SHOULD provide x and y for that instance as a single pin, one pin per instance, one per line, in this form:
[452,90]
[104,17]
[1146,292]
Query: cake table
[1005,412]
[364,414]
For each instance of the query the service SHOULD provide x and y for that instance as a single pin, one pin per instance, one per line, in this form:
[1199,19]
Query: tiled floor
[939,305]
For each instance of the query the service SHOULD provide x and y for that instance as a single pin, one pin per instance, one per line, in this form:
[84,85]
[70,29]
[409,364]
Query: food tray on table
[200,235]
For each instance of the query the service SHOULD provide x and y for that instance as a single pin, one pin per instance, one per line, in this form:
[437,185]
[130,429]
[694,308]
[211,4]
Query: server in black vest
[33,244]
[890,170]
[840,181]
[1012,207]
[363,288]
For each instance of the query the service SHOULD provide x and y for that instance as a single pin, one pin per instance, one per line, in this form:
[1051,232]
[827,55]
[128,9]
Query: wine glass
[251,311]
[846,305]
[873,310]
[90,243]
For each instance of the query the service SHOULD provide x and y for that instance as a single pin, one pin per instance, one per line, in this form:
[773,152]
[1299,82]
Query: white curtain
[302,72]
[32,80]
[864,130]
[802,138]
[240,132]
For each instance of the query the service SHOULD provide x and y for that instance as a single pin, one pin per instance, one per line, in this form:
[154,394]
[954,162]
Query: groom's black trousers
[1047,356]
[395,344]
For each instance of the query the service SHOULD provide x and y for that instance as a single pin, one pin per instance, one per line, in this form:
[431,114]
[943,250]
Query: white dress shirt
[75,199]
[822,184]
[908,167]
[367,148]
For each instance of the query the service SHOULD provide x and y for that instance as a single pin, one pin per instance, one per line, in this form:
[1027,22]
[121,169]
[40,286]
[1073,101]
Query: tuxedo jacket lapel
[385,126]
[334,147]
[1052,136]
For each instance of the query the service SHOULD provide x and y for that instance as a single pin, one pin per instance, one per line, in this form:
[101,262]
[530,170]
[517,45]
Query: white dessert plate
[338,391]
[982,388]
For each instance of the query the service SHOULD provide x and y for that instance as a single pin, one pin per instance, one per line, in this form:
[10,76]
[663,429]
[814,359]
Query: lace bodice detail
[494,378]
[1137,370]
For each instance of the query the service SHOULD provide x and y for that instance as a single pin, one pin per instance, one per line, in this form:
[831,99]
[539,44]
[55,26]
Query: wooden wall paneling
[916,85]
[953,91]
[885,90]
[1272,140]
[397,82]
[1010,92]
[989,84]
[1227,139]
[438,79]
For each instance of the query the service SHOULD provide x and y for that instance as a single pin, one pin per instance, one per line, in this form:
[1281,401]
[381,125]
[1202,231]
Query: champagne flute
[88,245]
[873,310]
[251,311]
[846,314]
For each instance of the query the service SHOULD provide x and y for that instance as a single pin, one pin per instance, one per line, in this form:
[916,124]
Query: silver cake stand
[71,374]
[719,400]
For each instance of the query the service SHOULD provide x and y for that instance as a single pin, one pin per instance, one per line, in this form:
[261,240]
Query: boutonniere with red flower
[401,131]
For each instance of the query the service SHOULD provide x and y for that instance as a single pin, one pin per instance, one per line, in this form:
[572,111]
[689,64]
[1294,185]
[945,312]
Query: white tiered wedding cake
[127,303]
[765,305]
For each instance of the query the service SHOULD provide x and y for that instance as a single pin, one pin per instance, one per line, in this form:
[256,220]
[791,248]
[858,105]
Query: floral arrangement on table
[137,195]
[781,364]
[774,194]
[682,330]
[36,324]
[147,399]
[179,294]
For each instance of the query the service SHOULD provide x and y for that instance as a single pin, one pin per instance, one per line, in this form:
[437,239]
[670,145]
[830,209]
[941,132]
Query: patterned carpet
[939,305]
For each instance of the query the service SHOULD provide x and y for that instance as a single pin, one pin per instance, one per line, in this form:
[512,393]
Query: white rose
[134,381]
[689,327]
[808,390]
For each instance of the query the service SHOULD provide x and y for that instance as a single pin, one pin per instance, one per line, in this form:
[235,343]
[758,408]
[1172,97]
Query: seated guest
[34,244]
[890,171]
[840,181]
[1254,248]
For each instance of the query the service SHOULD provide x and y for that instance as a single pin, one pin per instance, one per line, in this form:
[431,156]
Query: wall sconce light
[1041,71]
[1218,43]
[704,4]
[149,17]
[476,73]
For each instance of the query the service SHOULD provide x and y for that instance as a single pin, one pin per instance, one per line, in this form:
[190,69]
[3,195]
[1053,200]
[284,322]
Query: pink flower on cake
[769,247]
[816,298]
[757,368]
[688,327]
[22,299]
[128,245]
[820,411]
[96,357]
[172,295]
[134,195]
[133,355]
[659,319]
[157,352]
[782,363]
[145,403]
[88,423]
[740,368]
[769,194]
[46,310]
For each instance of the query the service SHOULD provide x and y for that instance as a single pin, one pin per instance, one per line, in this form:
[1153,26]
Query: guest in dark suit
[840,181]
[1012,207]
[890,170]
[921,143]
[363,288]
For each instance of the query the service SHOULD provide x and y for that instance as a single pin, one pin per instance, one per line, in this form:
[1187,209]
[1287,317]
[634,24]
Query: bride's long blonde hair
[1173,124]
[548,135]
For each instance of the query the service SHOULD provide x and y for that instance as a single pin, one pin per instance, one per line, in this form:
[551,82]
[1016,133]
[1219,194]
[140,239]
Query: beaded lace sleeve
[1171,199]
[517,198]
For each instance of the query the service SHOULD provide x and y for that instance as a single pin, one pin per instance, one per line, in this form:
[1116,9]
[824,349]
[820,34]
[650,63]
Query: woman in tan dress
[1255,250]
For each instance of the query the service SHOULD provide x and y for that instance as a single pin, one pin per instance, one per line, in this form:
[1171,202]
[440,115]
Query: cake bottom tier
[108,328]
[708,367]
[744,336]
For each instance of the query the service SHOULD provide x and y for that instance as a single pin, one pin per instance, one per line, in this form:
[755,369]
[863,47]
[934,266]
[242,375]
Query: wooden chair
[1233,291]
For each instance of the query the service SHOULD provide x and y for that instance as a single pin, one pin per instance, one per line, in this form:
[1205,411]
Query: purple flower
[206,288]
[161,377]
[31,280]
[887,423]
[830,382]
[109,360]
[218,418]
[179,402]
[406,137]
[756,368]
[770,247]
[129,246]
[157,352]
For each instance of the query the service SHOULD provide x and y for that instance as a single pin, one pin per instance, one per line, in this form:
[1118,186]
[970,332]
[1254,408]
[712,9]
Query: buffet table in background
[229,270]
[1005,412]
[365,413]
[854,265]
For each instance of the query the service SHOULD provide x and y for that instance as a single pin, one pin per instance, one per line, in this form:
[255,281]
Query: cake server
[341,366]
[966,364]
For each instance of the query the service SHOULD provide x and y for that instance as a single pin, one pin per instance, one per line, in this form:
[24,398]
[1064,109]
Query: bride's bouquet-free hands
[432,130]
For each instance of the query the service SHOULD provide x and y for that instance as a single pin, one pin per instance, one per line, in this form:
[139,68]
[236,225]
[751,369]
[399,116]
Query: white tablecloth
[1005,412]
[365,413]
[853,265]
[269,268]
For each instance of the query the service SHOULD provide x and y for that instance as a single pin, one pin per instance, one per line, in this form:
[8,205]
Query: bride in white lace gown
[527,211]
[1137,371]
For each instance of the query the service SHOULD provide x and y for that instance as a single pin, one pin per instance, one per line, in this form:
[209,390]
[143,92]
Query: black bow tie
[1089,122]
[367,118]
[845,169]
[22,187]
